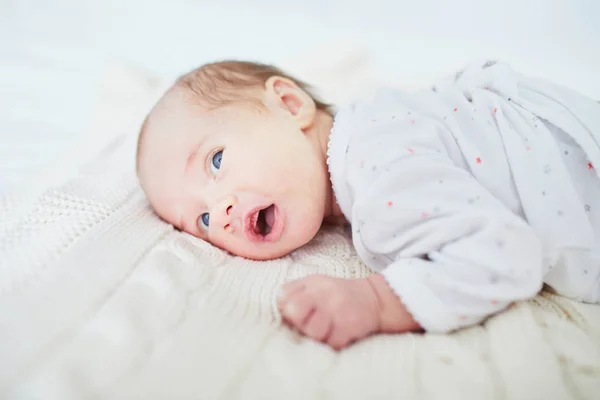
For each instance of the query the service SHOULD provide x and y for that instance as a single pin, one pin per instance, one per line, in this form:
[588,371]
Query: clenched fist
[340,311]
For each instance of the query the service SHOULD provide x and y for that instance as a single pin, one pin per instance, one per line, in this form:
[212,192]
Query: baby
[463,198]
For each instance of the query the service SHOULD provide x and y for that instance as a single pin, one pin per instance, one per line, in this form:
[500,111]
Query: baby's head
[235,153]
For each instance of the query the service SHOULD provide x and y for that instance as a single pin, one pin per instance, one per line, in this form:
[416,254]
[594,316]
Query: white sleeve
[452,252]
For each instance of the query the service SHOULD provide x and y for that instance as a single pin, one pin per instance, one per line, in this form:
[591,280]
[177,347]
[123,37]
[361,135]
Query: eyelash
[201,224]
[209,160]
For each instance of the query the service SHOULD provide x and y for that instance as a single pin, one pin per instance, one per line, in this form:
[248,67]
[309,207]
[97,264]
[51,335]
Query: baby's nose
[222,214]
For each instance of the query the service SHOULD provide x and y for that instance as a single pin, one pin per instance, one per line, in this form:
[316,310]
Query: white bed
[100,299]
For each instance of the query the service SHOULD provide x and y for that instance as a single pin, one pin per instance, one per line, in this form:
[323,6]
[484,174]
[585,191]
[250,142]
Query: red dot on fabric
[412,121]
[494,301]
[590,165]
[463,318]
[528,148]
[424,215]
[486,88]
[495,109]
[374,120]
[411,151]
[390,203]
[455,110]
[478,160]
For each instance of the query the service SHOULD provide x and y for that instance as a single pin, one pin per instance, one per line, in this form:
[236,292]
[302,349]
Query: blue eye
[215,163]
[204,220]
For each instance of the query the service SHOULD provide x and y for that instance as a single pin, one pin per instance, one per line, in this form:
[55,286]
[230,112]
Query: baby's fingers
[288,290]
[339,337]
[297,309]
[318,325]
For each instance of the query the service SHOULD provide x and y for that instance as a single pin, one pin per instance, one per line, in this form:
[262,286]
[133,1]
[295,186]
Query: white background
[53,54]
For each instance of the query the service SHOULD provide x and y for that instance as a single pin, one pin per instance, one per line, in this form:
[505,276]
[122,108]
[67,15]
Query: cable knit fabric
[101,299]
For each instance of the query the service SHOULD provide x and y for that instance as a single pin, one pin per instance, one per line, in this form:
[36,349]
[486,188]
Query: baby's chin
[263,254]
[258,255]
[271,252]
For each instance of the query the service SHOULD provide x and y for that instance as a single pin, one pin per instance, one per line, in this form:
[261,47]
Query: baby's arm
[452,268]
[451,252]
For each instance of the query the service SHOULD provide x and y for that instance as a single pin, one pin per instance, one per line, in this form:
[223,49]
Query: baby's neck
[320,131]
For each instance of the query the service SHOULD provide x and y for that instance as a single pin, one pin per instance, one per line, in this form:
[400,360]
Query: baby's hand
[340,311]
[331,310]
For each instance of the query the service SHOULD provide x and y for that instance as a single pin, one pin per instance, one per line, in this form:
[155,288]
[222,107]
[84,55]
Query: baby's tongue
[270,215]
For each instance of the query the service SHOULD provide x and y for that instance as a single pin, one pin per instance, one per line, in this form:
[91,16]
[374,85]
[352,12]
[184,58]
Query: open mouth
[264,221]
[264,224]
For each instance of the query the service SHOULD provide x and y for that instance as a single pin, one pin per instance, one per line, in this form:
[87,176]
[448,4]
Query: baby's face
[252,183]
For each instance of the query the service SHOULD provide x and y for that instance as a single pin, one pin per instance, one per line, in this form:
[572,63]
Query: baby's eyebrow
[191,158]
[193,154]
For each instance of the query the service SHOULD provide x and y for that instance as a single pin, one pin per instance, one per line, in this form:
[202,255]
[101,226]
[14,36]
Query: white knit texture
[100,299]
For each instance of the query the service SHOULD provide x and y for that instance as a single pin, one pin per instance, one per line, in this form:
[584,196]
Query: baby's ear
[285,95]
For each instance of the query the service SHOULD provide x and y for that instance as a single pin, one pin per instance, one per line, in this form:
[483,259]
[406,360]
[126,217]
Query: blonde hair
[222,83]
[225,82]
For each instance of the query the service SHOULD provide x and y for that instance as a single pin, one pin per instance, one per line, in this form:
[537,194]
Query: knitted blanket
[101,299]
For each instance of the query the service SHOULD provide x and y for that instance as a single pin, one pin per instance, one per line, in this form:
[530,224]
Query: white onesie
[468,196]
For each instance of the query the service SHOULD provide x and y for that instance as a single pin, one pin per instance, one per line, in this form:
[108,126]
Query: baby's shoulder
[388,110]
[378,101]
[381,110]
